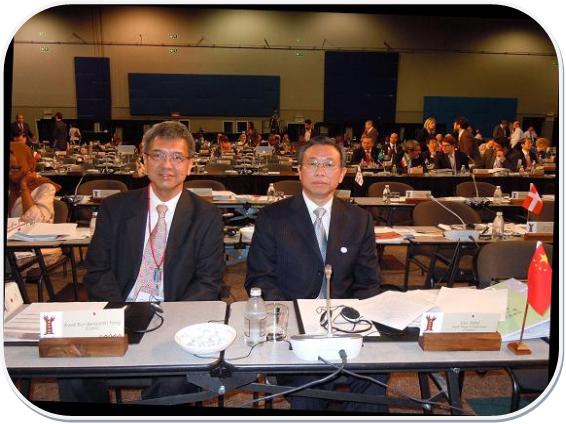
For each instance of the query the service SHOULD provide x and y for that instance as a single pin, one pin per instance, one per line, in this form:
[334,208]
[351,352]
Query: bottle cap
[255,291]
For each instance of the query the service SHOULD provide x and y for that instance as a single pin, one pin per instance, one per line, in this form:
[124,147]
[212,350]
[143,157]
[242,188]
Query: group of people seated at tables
[164,243]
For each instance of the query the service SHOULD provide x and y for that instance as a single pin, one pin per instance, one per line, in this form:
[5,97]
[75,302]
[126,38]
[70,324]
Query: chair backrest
[61,212]
[279,167]
[547,213]
[86,188]
[213,184]
[506,259]
[218,167]
[468,189]
[431,213]
[289,187]
[376,189]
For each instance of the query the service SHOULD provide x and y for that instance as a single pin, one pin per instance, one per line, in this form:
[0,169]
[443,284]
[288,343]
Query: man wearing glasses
[294,239]
[159,243]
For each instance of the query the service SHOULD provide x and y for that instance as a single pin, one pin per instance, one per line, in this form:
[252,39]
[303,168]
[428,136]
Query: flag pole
[519,347]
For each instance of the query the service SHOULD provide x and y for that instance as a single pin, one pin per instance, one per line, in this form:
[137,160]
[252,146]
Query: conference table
[237,368]
[440,186]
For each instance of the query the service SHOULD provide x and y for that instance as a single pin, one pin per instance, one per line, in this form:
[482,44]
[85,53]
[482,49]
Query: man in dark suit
[160,243]
[527,154]
[370,131]
[21,127]
[394,150]
[502,130]
[367,154]
[290,249]
[501,155]
[59,135]
[450,158]
[308,131]
[466,141]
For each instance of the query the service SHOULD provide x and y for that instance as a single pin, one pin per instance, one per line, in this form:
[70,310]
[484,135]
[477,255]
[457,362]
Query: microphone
[328,275]
[74,199]
[455,234]
[310,347]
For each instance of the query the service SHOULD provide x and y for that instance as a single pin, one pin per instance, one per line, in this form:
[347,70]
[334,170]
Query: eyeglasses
[327,166]
[176,158]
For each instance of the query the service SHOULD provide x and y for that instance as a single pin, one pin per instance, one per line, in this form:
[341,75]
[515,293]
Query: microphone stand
[328,275]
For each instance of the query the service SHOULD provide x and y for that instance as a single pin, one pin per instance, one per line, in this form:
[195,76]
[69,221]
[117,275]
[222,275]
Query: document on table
[24,325]
[395,309]
[44,232]
[472,300]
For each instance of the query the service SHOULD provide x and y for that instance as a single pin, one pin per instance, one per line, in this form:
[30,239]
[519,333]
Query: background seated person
[501,155]
[393,150]
[433,149]
[527,155]
[367,154]
[543,148]
[449,157]
[413,159]
[30,197]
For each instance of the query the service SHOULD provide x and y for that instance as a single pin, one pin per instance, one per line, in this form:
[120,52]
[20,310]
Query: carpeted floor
[477,387]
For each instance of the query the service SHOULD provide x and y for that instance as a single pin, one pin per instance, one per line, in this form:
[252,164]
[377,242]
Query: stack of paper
[387,235]
[222,195]
[44,232]
[536,325]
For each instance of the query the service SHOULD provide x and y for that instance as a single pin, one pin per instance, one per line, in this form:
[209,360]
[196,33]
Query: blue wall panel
[482,112]
[360,86]
[92,79]
[203,95]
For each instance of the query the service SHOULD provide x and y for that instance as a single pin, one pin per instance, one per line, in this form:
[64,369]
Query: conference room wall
[44,82]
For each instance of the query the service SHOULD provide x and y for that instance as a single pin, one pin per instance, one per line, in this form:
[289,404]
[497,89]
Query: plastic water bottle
[92,225]
[497,195]
[254,318]
[394,170]
[271,193]
[386,194]
[498,228]
[463,170]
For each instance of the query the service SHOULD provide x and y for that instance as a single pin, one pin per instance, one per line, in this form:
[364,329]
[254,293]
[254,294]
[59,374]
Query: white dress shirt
[516,136]
[311,206]
[171,205]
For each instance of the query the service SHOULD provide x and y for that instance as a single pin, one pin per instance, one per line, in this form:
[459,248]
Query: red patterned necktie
[150,276]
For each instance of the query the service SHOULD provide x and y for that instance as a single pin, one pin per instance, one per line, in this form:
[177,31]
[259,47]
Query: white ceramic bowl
[205,338]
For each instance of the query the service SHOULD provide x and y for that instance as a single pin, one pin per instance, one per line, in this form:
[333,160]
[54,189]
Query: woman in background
[30,196]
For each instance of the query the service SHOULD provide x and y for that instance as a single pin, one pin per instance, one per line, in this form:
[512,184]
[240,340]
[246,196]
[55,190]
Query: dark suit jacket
[510,161]
[395,157]
[442,161]
[468,145]
[15,130]
[523,158]
[194,255]
[360,154]
[422,136]
[60,135]
[285,261]
[500,132]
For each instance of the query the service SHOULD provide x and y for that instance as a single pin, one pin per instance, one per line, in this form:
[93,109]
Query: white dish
[205,338]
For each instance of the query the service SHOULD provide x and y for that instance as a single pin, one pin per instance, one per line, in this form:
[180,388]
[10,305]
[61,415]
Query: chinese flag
[539,280]
[533,202]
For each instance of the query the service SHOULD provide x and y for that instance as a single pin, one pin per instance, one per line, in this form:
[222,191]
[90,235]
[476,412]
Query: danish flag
[533,203]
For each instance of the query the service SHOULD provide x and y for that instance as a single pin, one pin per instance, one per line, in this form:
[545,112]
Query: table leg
[74,272]
[45,273]
[16,273]
[454,393]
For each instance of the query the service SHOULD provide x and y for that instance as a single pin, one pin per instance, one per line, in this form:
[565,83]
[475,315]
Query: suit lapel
[304,224]
[180,225]
[336,230]
[135,230]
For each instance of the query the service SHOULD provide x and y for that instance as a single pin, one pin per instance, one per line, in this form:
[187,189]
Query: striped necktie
[320,233]
[150,276]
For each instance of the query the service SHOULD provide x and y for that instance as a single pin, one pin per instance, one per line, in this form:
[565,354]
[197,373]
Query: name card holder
[76,347]
[82,333]
[429,341]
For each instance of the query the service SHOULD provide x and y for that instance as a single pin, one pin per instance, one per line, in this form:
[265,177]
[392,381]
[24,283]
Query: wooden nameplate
[519,348]
[75,347]
[539,236]
[460,341]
